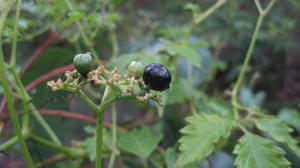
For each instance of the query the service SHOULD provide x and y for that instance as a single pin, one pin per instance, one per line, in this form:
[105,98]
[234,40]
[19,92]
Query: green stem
[5,9]
[115,46]
[87,100]
[242,128]
[198,20]
[13,140]
[24,95]
[268,8]
[8,94]
[99,125]
[258,6]
[72,152]
[99,129]
[114,135]
[30,107]
[54,159]
[13,113]
[241,76]
[209,11]
[99,134]
[83,33]
[192,107]
[238,84]
[9,97]
[107,99]
[4,13]
[44,125]
[9,143]
[15,37]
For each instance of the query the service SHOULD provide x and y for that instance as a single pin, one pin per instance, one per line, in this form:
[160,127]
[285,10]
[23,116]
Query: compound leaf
[280,132]
[257,152]
[201,136]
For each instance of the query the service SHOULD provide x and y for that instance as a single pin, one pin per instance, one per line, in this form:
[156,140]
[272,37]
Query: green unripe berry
[136,69]
[83,63]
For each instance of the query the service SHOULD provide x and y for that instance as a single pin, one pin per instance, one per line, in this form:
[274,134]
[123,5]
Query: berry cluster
[154,76]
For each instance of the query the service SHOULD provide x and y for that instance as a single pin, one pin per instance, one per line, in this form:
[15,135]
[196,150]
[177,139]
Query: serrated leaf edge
[191,119]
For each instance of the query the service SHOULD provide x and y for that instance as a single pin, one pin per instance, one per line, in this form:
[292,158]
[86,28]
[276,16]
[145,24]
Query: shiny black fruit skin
[157,77]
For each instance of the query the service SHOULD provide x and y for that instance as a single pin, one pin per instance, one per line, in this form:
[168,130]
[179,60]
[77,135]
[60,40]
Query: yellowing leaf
[257,152]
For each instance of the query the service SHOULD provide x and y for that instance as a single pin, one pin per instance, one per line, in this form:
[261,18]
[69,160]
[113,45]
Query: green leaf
[280,132]
[194,8]
[216,106]
[200,137]
[291,117]
[295,4]
[187,52]
[157,159]
[251,99]
[257,152]
[89,129]
[179,91]
[139,142]
[49,61]
[73,17]
[124,60]
[170,157]
[160,59]
[172,32]
[90,143]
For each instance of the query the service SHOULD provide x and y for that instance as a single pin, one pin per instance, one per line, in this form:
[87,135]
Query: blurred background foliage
[204,64]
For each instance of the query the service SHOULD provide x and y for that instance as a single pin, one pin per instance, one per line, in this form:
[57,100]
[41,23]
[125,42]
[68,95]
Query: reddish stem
[2,106]
[36,82]
[51,38]
[75,116]
[33,84]
[51,74]
[84,118]
[47,76]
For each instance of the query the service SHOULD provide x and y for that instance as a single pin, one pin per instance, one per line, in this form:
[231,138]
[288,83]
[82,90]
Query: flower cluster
[126,84]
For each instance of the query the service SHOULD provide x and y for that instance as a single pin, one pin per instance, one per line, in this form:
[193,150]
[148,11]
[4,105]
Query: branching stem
[13,113]
[70,151]
[238,84]
[203,16]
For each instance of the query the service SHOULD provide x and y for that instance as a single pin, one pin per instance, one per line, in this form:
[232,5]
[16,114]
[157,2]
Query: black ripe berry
[157,77]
